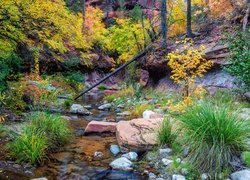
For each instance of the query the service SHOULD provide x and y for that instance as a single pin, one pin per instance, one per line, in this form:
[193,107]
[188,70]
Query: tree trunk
[164,23]
[189,20]
[83,15]
[245,19]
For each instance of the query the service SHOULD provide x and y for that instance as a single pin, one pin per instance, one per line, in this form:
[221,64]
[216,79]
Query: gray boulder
[79,109]
[122,163]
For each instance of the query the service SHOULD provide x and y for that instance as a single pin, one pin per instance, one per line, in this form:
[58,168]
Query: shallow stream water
[76,159]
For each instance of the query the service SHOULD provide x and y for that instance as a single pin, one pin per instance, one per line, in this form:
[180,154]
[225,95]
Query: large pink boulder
[138,134]
[100,127]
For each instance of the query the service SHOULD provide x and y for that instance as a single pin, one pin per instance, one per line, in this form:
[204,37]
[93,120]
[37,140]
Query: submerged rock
[105,106]
[79,132]
[132,156]
[100,127]
[138,134]
[114,149]
[241,175]
[122,163]
[79,109]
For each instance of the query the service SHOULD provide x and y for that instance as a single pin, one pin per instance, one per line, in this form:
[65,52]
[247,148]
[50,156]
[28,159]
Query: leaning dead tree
[245,19]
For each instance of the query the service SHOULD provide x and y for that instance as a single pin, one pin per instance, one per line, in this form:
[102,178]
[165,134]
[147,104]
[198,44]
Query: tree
[189,19]
[163,23]
[245,19]
[83,15]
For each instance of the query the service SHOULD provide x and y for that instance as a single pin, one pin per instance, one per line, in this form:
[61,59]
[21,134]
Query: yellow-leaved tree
[186,65]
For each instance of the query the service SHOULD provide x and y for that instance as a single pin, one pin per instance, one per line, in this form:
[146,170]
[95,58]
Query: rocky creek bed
[84,157]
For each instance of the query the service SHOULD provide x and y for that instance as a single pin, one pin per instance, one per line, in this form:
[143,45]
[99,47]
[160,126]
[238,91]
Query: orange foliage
[220,7]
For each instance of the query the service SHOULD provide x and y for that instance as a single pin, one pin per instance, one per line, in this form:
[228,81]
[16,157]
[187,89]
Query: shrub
[75,79]
[43,133]
[8,65]
[239,57]
[165,134]
[214,134]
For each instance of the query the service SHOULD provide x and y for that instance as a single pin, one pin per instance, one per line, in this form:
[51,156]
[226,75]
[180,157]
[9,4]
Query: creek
[75,160]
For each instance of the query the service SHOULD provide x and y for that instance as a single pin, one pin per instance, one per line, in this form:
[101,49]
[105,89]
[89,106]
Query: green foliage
[110,98]
[214,134]
[9,65]
[165,133]
[44,132]
[102,87]
[136,14]
[239,46]
[246,158]
[74,79]
[68,103]
[127,38]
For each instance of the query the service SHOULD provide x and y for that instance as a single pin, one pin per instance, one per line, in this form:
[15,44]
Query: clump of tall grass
[30,146]
[43,133]
[214,135]
[56,128]
[165,134]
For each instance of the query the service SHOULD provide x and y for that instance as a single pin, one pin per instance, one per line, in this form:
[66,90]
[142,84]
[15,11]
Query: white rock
[122,163]
[125,113]
[88,106]
[204,176]
[132,156]
[241,175]
[166,161]
[79,109]
[42,178]
[105,106]
[165,152]
[146,114]
[121,106]
[178,177]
